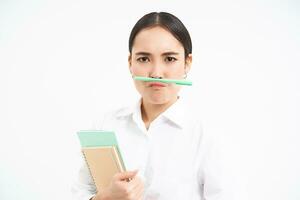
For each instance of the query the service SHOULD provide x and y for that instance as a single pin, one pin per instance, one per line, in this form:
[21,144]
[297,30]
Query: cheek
[175,88]
[137,70]
[176,72]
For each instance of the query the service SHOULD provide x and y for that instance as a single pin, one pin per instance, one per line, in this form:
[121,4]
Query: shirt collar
[133,109]
[176,113]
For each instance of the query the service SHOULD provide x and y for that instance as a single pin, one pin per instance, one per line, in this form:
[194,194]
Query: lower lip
[156,86]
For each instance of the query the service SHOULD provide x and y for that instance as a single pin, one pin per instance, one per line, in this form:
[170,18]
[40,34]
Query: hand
[124,186]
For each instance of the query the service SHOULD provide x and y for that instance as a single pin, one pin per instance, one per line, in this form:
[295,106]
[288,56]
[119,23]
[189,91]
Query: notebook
[102,155]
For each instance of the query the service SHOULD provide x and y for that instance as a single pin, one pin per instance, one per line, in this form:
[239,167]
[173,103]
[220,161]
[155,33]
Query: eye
[143,59]
[170,59]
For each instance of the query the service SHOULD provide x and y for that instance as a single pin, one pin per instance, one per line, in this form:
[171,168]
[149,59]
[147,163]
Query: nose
[156,72]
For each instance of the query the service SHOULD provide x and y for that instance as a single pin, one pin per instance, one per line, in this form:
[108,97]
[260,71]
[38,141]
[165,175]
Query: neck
[151,111]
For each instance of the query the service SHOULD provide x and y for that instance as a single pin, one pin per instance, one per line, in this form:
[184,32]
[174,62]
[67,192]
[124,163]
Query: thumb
[126,175]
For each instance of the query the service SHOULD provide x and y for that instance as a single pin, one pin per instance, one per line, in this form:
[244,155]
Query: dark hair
[165,20]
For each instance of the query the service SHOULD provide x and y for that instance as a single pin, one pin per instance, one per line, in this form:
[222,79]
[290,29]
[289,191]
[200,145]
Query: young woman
[158,136]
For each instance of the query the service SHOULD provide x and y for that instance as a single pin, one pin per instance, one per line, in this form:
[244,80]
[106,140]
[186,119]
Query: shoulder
[200,127]
[106,119]
[193,115]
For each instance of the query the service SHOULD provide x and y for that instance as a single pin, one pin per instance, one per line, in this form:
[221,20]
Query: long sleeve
[213,174]
[213,187]
[83,187]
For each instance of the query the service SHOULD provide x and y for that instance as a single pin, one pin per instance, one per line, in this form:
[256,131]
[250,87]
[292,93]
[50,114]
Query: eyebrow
[164,54]
[169,53]
[143,53]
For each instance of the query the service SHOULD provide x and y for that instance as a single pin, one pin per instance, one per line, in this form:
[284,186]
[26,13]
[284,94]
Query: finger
[137,180]
[125,175]
[136,184]
[130,185]
[140,196]
[139,192]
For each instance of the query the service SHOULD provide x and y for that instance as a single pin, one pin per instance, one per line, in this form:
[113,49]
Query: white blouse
[175,158]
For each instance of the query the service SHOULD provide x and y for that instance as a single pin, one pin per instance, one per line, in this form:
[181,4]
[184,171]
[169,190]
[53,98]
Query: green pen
[176,81]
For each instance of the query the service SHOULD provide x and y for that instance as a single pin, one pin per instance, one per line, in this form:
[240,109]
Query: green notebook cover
[98,138]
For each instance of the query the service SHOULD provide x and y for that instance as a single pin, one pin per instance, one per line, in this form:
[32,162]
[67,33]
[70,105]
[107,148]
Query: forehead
[156,40]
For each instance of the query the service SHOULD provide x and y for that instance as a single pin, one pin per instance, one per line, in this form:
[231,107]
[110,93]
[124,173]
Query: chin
[158,100]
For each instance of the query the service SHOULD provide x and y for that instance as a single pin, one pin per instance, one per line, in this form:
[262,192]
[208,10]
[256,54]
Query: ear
[129,62]
[188,63]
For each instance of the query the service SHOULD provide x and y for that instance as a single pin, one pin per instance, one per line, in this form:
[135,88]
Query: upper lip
[157,84]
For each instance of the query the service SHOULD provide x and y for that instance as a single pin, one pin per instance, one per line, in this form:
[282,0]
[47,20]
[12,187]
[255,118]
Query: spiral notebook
[102,155]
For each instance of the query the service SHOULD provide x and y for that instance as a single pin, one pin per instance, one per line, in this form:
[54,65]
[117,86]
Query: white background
[63,63]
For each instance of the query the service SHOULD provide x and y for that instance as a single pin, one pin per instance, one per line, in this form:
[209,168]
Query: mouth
[157,85]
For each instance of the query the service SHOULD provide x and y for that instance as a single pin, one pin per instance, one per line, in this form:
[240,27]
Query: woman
[158,136]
